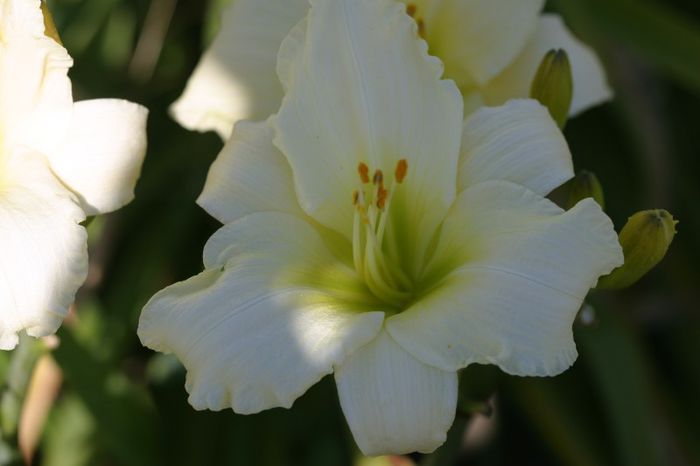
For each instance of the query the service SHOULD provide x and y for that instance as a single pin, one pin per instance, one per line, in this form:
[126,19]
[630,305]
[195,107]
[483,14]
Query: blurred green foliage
[632,397]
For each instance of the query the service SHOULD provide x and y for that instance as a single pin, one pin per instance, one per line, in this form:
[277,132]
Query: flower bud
[645,239]
[585,184]
[553,85]
[49,26]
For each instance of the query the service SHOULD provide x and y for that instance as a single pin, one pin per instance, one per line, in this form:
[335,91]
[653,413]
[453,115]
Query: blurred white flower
[370,233]
[59,161]
[491,48]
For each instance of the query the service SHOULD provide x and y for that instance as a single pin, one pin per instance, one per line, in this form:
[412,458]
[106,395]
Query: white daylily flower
[372,234]
[59,162]
[491,48]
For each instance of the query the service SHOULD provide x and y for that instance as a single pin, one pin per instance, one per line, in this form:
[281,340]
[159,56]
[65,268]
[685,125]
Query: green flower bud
[553,85]
[49,26]
[645,239]
[585,184]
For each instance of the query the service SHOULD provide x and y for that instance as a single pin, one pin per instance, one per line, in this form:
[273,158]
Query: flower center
[412,11]
[376,257]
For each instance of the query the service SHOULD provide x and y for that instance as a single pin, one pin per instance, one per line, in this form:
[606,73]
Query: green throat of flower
[375,254]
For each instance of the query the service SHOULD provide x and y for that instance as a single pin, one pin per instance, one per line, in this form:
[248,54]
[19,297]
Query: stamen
[363,170]
[381,274]
[401,170]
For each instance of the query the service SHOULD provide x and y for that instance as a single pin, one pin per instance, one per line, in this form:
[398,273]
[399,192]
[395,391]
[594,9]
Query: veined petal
[102,152]
[590,84]
[394,403]
[516,269]
[477,39]
[249,175]
[43,248]
[273,312]
[518,142]
[363,89]
[236,77]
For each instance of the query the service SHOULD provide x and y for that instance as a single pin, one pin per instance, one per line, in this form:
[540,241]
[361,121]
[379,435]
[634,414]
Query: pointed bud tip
[584,185]
[553,85]
[645,240]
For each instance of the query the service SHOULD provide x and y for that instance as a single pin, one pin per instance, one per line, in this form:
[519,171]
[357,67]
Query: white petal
[394,403]
[515,270]
[518,142]
[101,154]
[35,92]
[249,175]
[236,77]
[477,39]
[21,17]
[43,248]
[363,89]
[270,316]
[590,84]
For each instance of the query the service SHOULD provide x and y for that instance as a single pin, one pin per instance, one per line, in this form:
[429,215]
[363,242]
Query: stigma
[375,260]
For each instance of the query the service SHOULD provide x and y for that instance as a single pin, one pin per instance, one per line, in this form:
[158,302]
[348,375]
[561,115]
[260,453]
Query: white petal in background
[477,39]
[42,245]
[394,403]
[516,270]
[518,142]
[590,84]
[363,89]
[249,175]
[236,77]
[271,315]
[101,155]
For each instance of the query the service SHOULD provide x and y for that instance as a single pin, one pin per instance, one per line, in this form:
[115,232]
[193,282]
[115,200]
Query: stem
[12,395]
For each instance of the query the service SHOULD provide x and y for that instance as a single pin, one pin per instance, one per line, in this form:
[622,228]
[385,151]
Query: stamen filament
[385,279]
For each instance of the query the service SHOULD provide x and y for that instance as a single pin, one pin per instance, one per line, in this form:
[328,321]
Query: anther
[363,170]
[411,10]
[421,27]
[378,178]
[401,170]
[381,198]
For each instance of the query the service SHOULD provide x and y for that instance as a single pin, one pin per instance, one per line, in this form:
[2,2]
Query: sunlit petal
[101,154]
[273,312]
[42,245]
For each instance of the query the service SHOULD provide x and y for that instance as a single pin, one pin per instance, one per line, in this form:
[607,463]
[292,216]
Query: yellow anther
[421,27]
[378,178]
[382,194]
[401,170]
[363,170]
[411,10]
